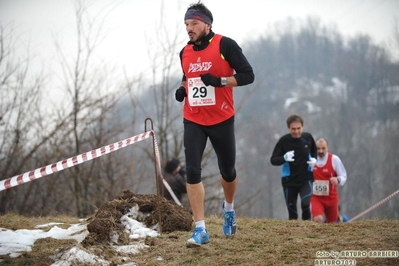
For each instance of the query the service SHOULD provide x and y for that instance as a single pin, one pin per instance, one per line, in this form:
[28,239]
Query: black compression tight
[291,195]
[222,138]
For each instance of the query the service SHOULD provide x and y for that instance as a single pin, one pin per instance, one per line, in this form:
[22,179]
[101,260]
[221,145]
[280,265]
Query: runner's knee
[229,176]
[318,219]
[193,178]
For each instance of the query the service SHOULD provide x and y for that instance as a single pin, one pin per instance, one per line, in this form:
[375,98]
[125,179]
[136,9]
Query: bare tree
[24,130]
[93,92]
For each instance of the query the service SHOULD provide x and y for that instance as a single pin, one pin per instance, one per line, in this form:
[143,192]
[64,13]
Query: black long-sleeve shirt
[232,53]
[297,172]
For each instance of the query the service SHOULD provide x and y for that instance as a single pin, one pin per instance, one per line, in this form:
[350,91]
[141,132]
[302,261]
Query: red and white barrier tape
[165,183]
[375,206]
[61,165]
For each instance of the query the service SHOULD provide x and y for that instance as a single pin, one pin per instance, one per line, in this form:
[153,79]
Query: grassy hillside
[258,242]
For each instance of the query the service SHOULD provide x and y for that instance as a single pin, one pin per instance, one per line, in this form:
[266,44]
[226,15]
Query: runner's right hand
[180,94]
[289,156]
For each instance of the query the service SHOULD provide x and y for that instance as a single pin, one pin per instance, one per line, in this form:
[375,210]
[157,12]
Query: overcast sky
[132,24]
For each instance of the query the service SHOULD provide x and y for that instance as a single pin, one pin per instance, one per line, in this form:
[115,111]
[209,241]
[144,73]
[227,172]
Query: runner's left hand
[312,162]
[210,79]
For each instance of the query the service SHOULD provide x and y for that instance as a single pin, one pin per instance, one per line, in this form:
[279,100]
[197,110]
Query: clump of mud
[107,219]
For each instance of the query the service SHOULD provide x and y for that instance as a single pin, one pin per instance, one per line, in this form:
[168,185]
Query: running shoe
[229,225]
[199,237]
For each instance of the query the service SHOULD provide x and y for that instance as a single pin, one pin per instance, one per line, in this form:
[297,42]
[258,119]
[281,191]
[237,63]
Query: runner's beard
[200,37]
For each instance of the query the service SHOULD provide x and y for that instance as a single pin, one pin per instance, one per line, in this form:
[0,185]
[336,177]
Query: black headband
[198,15]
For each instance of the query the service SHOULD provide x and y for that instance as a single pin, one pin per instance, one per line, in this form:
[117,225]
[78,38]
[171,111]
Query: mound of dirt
[107,219]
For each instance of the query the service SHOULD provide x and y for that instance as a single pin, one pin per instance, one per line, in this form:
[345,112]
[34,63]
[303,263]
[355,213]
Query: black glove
[180,94]
[210,79]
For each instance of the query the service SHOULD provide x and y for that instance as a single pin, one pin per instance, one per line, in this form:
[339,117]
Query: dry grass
[15,222]
[258,242]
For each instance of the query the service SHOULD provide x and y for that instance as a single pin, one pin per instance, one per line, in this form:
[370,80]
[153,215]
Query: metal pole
[156,171]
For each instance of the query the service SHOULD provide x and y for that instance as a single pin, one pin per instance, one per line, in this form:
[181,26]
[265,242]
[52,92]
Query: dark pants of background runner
[222,138]
[291,196]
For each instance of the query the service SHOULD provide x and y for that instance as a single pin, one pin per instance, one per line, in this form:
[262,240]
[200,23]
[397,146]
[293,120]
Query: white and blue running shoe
[229,224]
[199,237]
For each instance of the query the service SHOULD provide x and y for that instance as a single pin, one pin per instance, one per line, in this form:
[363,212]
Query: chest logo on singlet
[199,66]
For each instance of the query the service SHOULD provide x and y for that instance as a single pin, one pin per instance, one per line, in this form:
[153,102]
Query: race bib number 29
[199,94]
